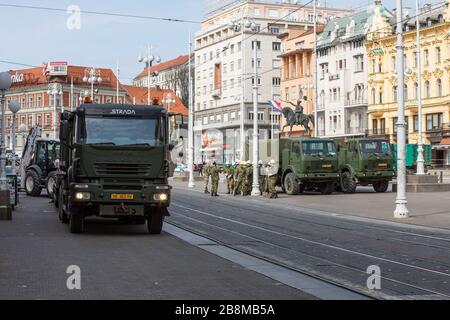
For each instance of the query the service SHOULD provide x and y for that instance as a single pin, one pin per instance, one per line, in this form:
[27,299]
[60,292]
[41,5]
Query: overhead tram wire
[103,13]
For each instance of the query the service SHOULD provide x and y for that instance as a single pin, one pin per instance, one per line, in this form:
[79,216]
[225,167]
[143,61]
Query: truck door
[296,154]
[41,156]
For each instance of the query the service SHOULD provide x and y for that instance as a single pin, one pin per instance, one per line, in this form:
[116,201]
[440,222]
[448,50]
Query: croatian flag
[276,106]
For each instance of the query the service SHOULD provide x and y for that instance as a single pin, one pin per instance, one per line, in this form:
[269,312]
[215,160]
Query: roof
[139,95]
[164,66]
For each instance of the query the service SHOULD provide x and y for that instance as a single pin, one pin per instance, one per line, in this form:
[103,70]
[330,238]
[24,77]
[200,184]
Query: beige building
[383,86]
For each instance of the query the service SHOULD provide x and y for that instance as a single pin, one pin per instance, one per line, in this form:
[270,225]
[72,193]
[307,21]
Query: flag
[276,106]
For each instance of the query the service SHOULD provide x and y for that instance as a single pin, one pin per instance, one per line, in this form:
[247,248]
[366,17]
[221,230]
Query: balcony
[379,132]
[436,135]
[355,102]
[216,93]
[332,77]
[356,130]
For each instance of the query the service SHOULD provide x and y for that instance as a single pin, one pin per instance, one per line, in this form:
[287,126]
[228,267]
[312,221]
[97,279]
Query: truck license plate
[116,196]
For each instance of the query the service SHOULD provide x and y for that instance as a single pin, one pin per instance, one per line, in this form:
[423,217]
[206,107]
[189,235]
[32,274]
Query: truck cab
[115,163]
[365,161]
[308,164]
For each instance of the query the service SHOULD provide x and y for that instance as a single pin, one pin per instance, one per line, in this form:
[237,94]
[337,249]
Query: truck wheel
[381,186]
[291,184]
[155,221]
[348,185]
[327,188]
[61,214]
[51,182]
[32,184]
[76,220]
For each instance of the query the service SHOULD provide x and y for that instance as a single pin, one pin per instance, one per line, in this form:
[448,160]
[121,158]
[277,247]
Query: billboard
[56,69]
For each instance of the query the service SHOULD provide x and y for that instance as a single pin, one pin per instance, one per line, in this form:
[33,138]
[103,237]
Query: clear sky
[33,36]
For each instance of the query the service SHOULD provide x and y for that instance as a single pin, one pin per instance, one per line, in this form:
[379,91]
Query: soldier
[239,178]
[248,178]
[229,174]
[272,180]
[262,178]
[207,175]
[214,171]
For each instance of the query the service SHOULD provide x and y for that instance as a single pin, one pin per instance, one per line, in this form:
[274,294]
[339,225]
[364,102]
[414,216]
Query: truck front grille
[122,169]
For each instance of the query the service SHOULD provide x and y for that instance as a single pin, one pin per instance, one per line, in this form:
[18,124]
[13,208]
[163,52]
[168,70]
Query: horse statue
[297,118]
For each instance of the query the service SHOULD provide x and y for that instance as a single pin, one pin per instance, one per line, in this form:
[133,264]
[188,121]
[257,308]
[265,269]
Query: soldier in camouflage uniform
[262,178]
[273,182]
[214,171]
[248,178]
[207,175]
[239,178]
[229,174]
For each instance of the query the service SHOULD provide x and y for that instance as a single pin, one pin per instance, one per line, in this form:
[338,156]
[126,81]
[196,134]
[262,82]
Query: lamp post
[191,122]
[92,76]
[242,26]
[169,100]
[5,206]
[255,187]
[148,59]
[420,159]
[14,107]
[55,89]
[401,210]
[316,84]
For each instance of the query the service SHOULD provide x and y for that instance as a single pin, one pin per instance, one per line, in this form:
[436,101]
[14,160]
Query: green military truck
[115,163]
[364,162]
[308,164]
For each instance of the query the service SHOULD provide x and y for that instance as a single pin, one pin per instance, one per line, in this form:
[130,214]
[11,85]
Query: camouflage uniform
[207,170]
[239,179]
[272,187]
[248,178]
[214,171]
[229,173]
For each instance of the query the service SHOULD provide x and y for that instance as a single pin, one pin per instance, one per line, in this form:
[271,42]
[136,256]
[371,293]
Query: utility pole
[420,158]
[316,128]
[191,121]
[5,206]
[242,107]
[255,188]
[401,210]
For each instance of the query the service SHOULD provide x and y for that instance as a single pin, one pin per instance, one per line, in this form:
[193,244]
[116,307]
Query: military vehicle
[365,161]
[115,163]
[37,167]
[308,164]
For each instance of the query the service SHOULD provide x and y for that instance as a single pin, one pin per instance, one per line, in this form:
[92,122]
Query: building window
[416,90]
[393,63]
[405,92]
[258,45]
[439,87]
[427,89]
[380,97]
[276,63]
[438,55]
[394,93]
[374,96]
[276,46]
[359,63]
[276,81]
[323,70]
[434,121]
[416,123]
[427,57]
[415,60]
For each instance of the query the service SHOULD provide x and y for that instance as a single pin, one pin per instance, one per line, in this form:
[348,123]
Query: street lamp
[5,207]
[242,26]
[92,76]
[14,107]
[401,210]
[55,89]
[255,186]
[420,158]
[148,59]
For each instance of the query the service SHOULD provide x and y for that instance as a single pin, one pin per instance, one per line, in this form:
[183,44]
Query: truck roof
[123,109]
[304,139]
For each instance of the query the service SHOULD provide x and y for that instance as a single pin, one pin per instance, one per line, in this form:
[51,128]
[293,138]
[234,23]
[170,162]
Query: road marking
[316,242]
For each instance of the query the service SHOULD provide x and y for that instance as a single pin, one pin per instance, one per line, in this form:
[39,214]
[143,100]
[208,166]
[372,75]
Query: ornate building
[383,86]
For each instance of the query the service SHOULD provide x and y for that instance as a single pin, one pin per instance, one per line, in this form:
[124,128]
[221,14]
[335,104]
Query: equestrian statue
[297,117]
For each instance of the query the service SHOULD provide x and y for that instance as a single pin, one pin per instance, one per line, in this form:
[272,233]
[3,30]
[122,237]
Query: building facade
[224,60]
[383,86]
[342,74]
[297,73]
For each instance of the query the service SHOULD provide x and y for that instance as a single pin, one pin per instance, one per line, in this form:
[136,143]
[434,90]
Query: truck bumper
[319,177]
[375,175]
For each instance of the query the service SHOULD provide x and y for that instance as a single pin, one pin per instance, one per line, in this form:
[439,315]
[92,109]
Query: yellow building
[382,82]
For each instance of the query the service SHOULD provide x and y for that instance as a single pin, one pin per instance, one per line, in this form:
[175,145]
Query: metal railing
[355,102]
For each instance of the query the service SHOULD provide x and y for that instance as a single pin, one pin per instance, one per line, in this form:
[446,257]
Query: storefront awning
[444,145]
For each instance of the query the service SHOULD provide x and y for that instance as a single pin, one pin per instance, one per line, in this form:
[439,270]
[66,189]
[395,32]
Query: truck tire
[327,188]
[155,221]
[291,184]
[61,214]
[381,186]
[348,185]
[33,184]
[50,183]
[76,220]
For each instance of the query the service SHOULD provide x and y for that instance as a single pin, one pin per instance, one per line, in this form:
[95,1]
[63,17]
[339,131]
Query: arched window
[405,92]
[439,87]
[374,101]
[394,93]
[427,89]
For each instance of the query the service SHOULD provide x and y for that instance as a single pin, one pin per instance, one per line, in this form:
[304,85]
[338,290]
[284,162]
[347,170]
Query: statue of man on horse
[297,117]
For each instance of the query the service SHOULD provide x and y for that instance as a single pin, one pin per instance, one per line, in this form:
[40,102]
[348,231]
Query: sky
[33,36]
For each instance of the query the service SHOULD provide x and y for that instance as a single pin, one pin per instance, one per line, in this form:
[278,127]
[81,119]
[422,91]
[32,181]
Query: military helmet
[272,162]
[260,162]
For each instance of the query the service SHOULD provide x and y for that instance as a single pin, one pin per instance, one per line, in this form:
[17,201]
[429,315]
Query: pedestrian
[229,174]
[273,177]
[200,168]
[214,171]
[207,175]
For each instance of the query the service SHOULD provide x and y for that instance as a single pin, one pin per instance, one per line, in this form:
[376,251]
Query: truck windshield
[319,148]
[124,131]
[375,147]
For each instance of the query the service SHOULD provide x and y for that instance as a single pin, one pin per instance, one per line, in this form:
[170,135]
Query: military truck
[115,163]
[308,164]
[365,161]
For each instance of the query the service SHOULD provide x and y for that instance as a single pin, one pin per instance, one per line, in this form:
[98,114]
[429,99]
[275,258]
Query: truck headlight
[83,196]
[160,197]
